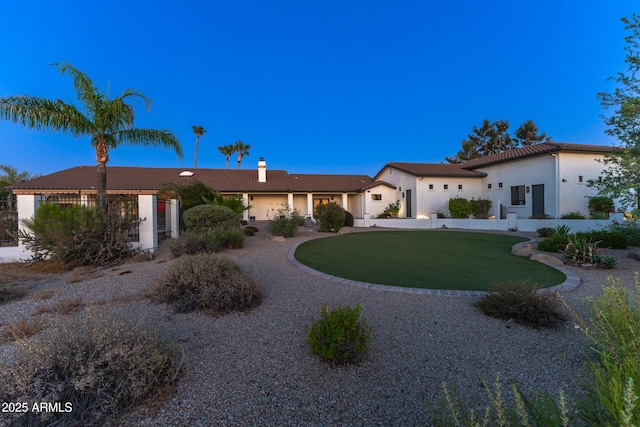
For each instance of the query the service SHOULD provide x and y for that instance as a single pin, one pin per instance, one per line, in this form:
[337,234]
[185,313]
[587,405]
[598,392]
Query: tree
[529,134]
[109,122]
[10,175]
[227,151]
[242,149]
[199,131]
[621,174]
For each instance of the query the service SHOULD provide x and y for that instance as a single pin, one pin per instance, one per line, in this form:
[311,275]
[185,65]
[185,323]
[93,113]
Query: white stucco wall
[264,206]
[574,195]
[437,199]
[374,208]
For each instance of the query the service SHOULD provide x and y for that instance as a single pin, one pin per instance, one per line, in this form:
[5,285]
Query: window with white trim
[517,195]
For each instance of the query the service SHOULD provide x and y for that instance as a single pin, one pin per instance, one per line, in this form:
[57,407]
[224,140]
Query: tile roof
[149,180]
[433,169]
[534,150]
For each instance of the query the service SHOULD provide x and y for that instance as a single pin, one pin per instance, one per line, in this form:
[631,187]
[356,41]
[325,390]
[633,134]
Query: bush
[249,231]
[601,204]
[573,215]
[480,207]
[391,211]
[459,207]
[233,238]
[282,224]
[524,303]
[607,262]
[562,230]
[297,218]
[440,214]
[330,216]
[348,219]
[631,232]
[607,238]
[339,336]
[553,243]
[189,195]
[207,282]
[204,217]
[99,366]
[191,243]
[545,231]
[581,250]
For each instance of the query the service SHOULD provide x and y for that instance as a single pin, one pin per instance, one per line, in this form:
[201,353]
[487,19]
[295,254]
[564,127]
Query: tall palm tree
[109,122]
[227,151]
[199,131]
[242,149]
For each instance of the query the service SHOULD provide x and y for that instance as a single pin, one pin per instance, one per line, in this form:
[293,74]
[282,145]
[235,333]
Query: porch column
[148,233]
[174,218]
[345,201]
[27,205]
[310,204]
[245,200]
[290,201]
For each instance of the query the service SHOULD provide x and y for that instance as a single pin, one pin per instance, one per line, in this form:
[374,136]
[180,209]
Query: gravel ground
[255,368]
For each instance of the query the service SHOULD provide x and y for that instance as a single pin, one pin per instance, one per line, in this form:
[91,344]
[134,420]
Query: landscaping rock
[523,250]
[546,258]
[345,230]
[275,238]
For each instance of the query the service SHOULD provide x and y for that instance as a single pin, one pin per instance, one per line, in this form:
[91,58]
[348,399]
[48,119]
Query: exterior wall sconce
[564,180]
[528,188]
[403,195]
[251,197]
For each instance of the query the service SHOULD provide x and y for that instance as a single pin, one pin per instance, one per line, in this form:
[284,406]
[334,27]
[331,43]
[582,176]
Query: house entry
[408,193]
[537,201]
[320,201]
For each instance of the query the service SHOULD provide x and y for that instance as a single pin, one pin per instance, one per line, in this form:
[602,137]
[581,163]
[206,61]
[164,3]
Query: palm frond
[162,137]
[88,94]
[44,114]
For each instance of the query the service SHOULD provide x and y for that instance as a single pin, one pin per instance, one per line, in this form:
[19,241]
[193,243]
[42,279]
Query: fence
[8,220]
[163,219]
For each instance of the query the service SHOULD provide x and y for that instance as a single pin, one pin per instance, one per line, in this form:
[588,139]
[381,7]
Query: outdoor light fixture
[403,195]
[528,188]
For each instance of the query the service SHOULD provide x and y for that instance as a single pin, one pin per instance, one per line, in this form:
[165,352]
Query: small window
[580,178]
[459,186]
[376,197]
[499,185]
[517,195]
[488,186]
[446,186]
[430,186]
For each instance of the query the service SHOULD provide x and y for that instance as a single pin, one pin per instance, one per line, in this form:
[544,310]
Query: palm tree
[242,149]
[227,151]
[109,122]
[199,131]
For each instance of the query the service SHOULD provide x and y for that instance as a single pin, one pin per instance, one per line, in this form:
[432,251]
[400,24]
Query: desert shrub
[95,368]
[207,282]
[348,219]
[191,243]
[553,243]
[204,217]
[339,336]
[190,195]
[601,204]
[480,207]
[581,250]
[249,231]
[297,218]
[523,302]
[573,215]
[607,262]
[253,228]
[391,211]
[613,391]
[79,235]
[545,231]
[631,231]
[607,238]
[459,207]
[233,238]
[282,224]
[562,230]
[330,216]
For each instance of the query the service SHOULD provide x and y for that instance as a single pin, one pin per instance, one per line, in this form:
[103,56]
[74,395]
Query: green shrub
[562,230]
[573,215]
[204,217]
[611,396]
[348,219]
[236,204]
[101,366]
[233,238]
[297,218]
[440,214]
[459,207]
[282,224]
[391,211]
[480,207]
[524,303]
[189,195]
[252,228]
[545,231]
[330,216]
[207,282]
[339,336]
[191,243]
[631,231]
[607,262]
[607,238]
[601,204]
[553,243]
[249,231]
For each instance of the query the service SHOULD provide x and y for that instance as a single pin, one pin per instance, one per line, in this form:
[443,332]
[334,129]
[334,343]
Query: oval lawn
[435,259]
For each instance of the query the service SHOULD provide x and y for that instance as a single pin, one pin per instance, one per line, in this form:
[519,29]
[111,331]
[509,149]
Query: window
[459,186]
[488,186]
[430,186]
[499,185]
[446,186]
[580,178]
[376,197]
[517,195]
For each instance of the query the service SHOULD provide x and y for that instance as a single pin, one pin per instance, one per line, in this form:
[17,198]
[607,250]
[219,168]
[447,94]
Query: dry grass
[23,328]
[64,307]
[45,294]
[10,293]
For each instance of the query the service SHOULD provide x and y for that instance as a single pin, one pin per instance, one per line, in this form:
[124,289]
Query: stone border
[571,283]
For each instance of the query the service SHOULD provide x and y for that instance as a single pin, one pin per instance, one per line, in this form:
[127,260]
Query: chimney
[262,170]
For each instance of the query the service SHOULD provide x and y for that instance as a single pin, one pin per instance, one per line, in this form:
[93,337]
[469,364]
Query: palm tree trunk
[227,162]
[195,156]
[239,160]
[101,186]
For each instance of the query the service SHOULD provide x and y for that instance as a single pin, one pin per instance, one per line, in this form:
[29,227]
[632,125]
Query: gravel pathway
[255,368]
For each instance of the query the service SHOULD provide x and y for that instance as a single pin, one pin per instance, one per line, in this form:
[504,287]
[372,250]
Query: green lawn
[425,259]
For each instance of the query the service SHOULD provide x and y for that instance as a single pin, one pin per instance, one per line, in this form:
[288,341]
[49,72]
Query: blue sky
[314,87]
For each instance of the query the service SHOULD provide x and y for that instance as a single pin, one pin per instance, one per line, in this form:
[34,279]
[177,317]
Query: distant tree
[227,151]
[621,175]
[242,149]
[10,175]
[493,138]
[199,131]
[109,122]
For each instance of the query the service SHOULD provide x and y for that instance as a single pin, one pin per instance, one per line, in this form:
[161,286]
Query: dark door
[408,195]
[537,201]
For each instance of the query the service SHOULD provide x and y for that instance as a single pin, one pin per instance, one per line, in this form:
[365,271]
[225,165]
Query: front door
[408,194]
[537,201]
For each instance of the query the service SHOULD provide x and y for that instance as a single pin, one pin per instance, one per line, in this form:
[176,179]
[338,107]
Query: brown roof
[433,169]
[149,180]
[534,150]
